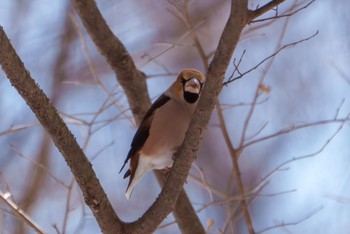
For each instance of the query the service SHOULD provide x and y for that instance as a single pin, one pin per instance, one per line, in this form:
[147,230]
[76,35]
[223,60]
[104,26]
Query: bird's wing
[142,132]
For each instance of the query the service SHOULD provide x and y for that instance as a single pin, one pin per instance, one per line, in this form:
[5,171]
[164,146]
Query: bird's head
[189,85]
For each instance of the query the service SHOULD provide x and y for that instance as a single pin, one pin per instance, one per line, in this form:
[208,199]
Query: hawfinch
[162,129]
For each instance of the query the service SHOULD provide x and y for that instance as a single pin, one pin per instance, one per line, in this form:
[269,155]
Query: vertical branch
[186,153]
[257,91]
[134,84]
[183,15]
[236,170]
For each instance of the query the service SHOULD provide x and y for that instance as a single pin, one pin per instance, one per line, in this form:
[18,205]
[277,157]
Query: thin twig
[19,127]
[183,14]
[236,170]
[204,181]
[283,224]
[20,213]
[281,16]
[171,45]
[342,74]
[47,115]
[93,69]
[66,214]
[257,92]
[294,128]
[212,188]
[280,166]
[231,79]
[39,165]
[262,10]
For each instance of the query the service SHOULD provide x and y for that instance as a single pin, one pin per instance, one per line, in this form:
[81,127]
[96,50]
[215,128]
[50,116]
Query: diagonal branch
[291,12]
[47,115]
[130,78]
[134,84]
[262,10]
[20,213]
[241,74]
[200,120]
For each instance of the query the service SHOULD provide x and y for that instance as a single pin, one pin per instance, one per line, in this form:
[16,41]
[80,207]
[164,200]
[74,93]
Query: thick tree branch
[133,82]
[186,154]
[130,78]
[184,213]
[47,115]
[134,85]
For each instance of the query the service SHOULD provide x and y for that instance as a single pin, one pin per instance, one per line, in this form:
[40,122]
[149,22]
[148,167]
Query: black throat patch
[191,97]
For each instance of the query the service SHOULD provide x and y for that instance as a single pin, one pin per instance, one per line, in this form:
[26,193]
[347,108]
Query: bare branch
[17,128]
[39,165]
[258,88]
[337,198]
[282,15]
[342,73]
[186,154]
[283,224]
[297,127]
[134,85]
[20,213]
[231,79]
[171,45]
[236,170]
[47,115]
[183,15]
[262,10]
[66,214]
[130,78]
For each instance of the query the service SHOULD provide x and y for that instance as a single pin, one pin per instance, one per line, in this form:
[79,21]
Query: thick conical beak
[193,86]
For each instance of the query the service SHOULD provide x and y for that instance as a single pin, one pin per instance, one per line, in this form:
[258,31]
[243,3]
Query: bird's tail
[142,168]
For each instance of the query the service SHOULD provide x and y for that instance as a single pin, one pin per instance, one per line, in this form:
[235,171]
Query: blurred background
[295,144]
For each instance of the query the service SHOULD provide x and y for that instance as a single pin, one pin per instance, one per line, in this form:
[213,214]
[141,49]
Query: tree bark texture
[134,84]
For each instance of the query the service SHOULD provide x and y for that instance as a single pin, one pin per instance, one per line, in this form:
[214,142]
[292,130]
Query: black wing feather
[142,132]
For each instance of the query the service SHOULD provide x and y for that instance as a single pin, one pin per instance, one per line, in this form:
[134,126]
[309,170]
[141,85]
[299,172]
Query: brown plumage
[163,127]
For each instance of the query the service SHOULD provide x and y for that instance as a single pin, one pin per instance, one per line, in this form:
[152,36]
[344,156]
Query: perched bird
[162,129]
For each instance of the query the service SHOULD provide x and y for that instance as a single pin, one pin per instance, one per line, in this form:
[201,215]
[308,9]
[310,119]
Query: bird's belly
[160,161]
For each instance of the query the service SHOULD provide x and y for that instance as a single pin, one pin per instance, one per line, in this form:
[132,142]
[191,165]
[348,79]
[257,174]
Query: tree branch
[47,115]
[241,74]
[130,78]
[20,213]
[262,10]
[236,170]
[291,12]
[134,84]
[186,153]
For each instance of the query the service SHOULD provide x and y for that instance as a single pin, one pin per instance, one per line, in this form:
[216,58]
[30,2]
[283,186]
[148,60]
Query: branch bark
[237,20]
[265,8]
[130,78]
[47,115]
[134,84]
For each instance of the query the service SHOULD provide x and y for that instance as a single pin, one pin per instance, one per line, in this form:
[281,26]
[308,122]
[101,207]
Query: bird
[163,127]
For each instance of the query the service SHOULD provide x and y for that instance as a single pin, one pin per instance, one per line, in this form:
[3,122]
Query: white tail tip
[128,192]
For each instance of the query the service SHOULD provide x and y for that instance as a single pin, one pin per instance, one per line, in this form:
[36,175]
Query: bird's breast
[167,130]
